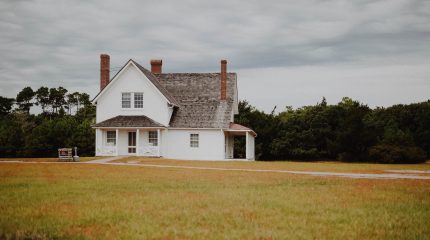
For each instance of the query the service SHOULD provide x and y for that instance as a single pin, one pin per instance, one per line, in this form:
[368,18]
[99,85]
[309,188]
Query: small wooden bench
[65,154]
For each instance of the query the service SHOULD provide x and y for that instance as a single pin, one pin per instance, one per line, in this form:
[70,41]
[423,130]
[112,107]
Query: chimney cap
[104,55]
[156,61]
[223,61]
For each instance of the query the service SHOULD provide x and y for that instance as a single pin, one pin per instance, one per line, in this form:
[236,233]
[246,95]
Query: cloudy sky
[285,52]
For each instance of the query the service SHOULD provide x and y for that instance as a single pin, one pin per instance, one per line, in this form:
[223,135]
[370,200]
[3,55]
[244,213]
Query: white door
[131,143]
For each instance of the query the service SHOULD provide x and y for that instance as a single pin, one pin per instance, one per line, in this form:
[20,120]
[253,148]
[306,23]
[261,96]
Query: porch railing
[148,151]
[106,150]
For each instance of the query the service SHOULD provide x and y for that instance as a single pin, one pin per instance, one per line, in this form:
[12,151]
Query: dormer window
[132,100]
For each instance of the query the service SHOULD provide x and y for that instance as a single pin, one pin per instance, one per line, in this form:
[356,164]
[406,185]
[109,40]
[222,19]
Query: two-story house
[171,115]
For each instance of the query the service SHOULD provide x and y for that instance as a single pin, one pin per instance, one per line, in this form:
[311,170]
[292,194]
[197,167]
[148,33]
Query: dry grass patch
[82,159]
[128,202]
[282,165]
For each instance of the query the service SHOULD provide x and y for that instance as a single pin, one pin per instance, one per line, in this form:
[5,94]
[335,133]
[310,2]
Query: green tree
[6,105]
[42,98]
[57,98]
[24,99]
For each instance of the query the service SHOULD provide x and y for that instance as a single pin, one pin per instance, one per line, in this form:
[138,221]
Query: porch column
[247,146]
[97,141]
[116,141]
[137,141]
[158,142]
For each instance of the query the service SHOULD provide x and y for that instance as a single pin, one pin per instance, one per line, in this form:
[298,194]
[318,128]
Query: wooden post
[116,141]
[158,141]
[246,146]
[97,141]
[137,141]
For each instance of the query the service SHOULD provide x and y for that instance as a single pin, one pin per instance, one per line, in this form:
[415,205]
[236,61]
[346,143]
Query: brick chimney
[104,70]
[223,79]
[156,65]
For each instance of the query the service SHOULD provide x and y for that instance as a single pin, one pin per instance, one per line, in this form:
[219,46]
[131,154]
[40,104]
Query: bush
[385,153]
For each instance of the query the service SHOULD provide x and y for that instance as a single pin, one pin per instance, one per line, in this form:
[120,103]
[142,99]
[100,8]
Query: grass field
[53,159]
[128,202]
[283,165]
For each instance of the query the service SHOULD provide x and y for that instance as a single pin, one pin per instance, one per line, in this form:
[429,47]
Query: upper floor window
[138,100]
[132,100]
[126,100]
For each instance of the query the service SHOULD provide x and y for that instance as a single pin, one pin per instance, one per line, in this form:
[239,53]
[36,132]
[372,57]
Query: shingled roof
[129,121]
[198,95]
[195,97]
[156,83]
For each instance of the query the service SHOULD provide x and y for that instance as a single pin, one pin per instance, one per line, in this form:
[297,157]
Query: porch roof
[234,127]
[128,121]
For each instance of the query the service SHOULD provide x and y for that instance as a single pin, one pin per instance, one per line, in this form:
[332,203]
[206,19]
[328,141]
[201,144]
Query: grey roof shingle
[156,83]
[198,95]
[129,121]
[195,96]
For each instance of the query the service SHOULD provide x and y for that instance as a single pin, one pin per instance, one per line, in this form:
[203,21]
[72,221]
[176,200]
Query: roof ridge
[156,83]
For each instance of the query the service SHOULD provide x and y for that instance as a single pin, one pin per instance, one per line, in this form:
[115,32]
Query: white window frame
[129,98]
[153,140]
[194,140]
[111,140]
[125,100]
[140,101]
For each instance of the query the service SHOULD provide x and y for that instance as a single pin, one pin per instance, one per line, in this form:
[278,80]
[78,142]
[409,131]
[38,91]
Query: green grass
[47,159]
[79,201]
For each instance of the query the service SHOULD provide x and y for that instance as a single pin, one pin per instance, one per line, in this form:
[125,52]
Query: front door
[131,142]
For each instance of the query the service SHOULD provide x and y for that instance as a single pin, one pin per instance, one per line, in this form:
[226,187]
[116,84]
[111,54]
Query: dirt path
[106,161]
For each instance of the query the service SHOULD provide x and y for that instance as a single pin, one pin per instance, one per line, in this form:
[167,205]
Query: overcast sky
[285,52]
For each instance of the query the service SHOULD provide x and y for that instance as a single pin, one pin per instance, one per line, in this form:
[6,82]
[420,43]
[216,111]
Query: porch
[238,131]
[128,141]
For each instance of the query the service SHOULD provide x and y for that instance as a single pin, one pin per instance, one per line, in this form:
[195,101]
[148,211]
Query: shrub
[385,153]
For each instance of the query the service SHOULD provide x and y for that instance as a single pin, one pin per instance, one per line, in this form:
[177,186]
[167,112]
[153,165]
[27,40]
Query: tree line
[347,131]
[64,121]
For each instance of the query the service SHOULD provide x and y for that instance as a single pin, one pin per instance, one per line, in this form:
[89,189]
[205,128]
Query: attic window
[138,100]
[126,100]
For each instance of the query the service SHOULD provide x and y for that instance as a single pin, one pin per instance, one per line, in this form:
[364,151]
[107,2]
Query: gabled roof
[199,99]
[156,83]
[128,121]
[148,75]
[196,97]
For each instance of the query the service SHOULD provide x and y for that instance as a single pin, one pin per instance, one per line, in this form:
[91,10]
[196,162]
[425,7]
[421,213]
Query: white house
[170,115]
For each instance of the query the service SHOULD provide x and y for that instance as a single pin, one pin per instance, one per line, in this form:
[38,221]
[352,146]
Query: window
[138,100]
[194,140]
[126,100]
[132,100]
[111,138]
[153,138]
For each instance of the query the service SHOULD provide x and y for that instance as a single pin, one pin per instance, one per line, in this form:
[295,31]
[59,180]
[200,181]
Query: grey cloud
[47,42]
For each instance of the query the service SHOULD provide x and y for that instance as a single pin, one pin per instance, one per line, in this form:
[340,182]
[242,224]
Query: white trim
[247,146]
[197,128]
[116,141]
[129,127]
[251,131]
[158,142]
[137,141]
[117,76]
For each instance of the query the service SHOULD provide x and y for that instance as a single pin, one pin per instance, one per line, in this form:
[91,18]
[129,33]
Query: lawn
[50,159]
[329,166]
[129,202]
